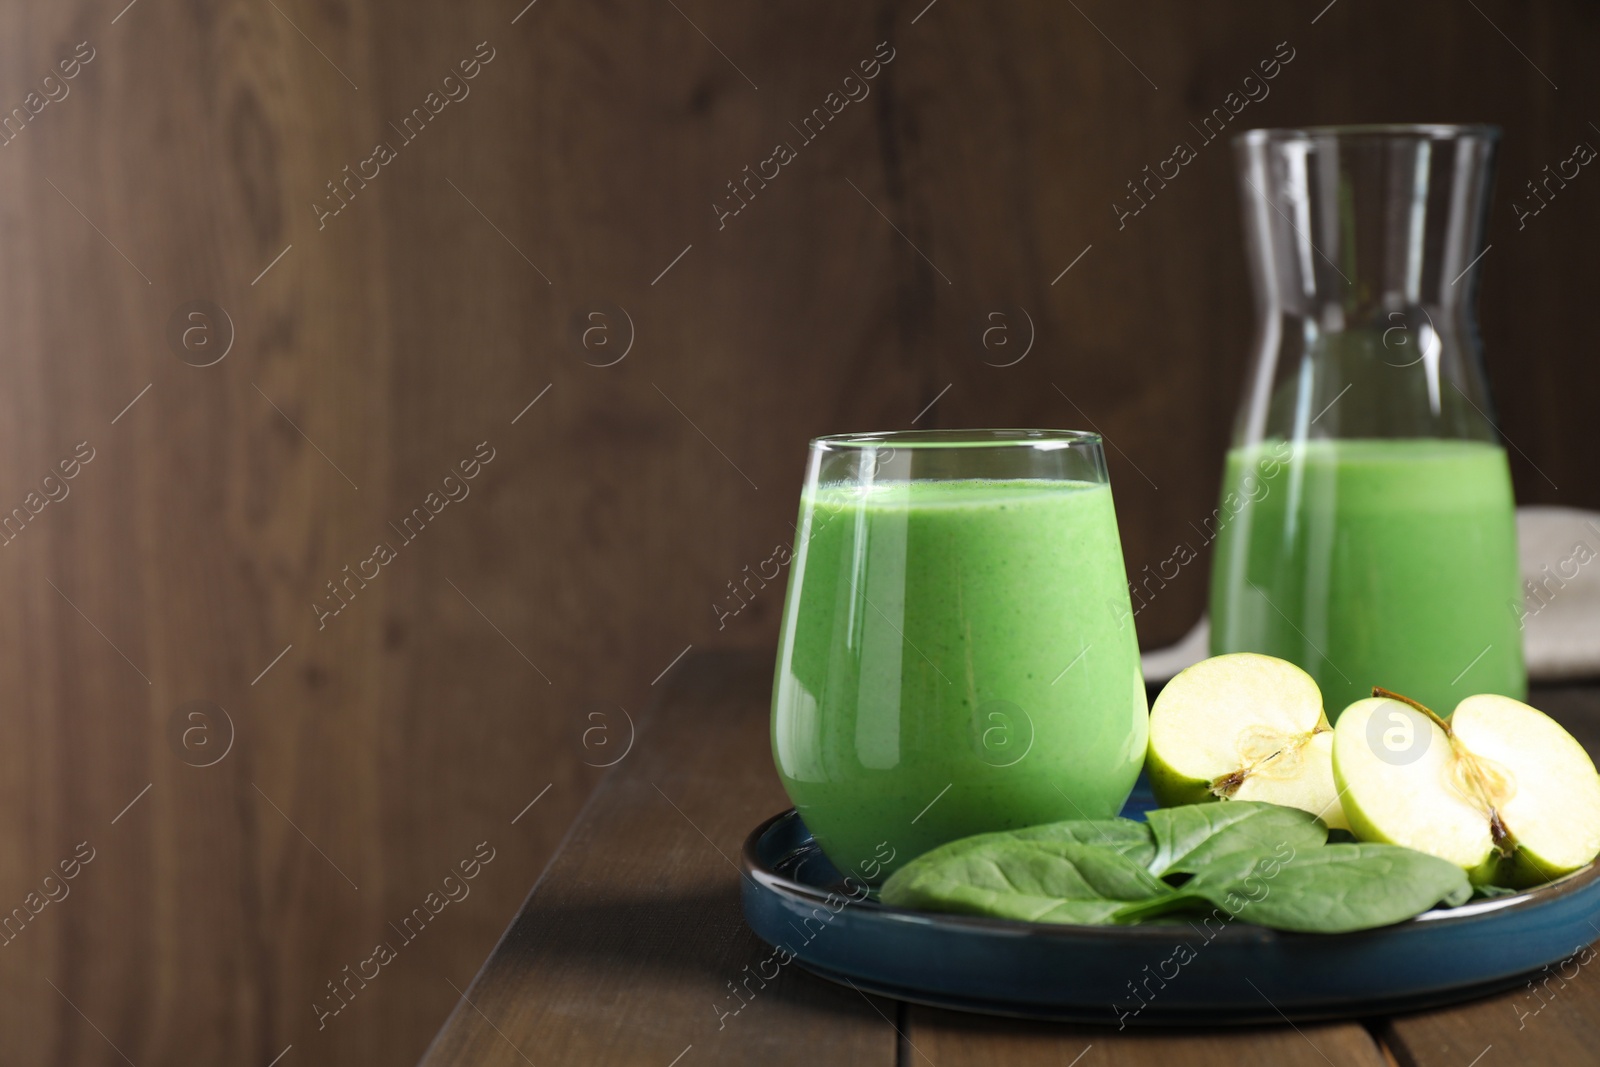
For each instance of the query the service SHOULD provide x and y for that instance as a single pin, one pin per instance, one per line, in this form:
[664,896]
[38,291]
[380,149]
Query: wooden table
[627,948]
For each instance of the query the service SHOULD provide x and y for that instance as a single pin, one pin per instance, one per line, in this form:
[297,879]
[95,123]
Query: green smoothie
[1373,562]
[955,657]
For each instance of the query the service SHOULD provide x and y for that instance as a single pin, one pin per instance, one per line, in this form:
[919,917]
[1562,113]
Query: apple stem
[1380,691]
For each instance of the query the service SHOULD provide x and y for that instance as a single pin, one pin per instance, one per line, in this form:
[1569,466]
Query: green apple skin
[1488,871]
[1548,799]
[1361,826]
[1286,696]
[1522,872]
[1173,789]
[1450,828]
[1552,811]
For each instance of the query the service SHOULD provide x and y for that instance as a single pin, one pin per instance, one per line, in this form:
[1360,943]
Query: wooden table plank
[953,1039]
[630,946]
[1554,1019]
[629,949]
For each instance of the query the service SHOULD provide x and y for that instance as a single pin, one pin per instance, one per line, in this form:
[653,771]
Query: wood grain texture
[632,948]
[618,953]
[455,287]
[1553,1019]
[625,950]
[949,1039]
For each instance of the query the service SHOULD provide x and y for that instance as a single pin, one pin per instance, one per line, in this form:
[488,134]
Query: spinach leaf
[1262,863]
[1326,889]
[1132,839]
[1033,880]
[1126,836]
[1190,837]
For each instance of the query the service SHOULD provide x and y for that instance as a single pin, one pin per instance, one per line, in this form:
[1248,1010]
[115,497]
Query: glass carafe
[1366,529]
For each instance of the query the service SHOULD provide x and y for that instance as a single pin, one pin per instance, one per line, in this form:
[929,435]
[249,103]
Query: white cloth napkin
[1559,553]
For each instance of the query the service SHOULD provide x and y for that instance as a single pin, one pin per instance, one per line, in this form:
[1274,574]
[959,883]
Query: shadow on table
[631,946]
[696,934]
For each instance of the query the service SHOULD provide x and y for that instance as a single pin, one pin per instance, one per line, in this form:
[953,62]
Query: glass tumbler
[956,652]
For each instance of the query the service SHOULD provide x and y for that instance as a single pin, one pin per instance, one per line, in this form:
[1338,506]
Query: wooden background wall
[375,349]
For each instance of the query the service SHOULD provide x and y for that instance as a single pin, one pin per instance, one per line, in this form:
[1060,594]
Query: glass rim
[927,439]
[1437,131]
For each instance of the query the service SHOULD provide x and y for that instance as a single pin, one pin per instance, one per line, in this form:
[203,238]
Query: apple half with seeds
[1243,726]
[1499,788]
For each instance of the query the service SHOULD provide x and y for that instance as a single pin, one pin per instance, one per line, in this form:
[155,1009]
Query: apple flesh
[1500,788]
[1243,726]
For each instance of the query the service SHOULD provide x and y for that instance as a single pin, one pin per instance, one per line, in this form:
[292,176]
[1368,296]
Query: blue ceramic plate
[1175,974]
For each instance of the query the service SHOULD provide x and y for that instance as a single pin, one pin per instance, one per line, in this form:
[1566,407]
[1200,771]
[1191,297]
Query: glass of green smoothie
[1366,529]
[956,653]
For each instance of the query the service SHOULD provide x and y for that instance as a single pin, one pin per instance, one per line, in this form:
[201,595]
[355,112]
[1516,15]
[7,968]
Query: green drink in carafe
[1368,532]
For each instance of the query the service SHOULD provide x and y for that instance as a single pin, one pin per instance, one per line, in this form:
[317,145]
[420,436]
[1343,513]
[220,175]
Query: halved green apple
[1500,788]
[1243,726]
